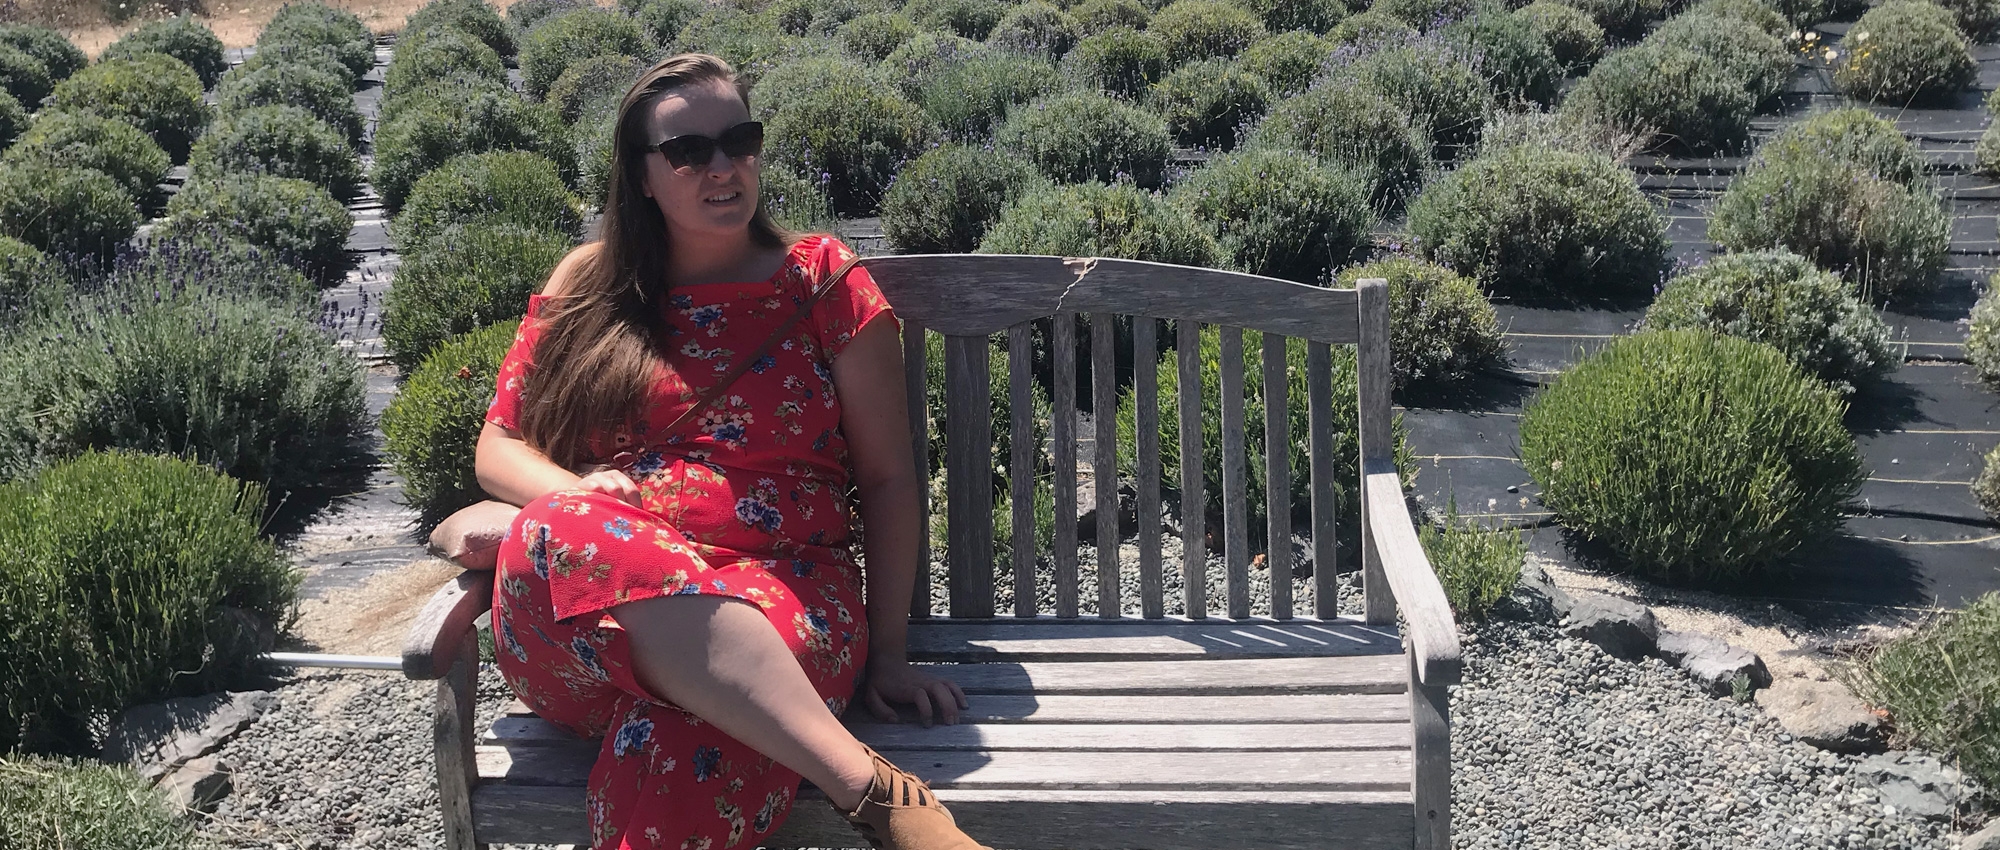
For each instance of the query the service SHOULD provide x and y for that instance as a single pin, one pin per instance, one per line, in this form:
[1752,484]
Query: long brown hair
[601,344]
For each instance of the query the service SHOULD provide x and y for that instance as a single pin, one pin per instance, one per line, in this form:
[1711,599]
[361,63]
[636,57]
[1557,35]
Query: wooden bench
[1111,731]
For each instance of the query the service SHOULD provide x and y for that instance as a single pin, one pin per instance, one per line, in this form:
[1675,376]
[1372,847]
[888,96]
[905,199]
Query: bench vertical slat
[452,742]
[1021,463]
[1277,477]
[1430,763]
[1194,506]
[1235,504]
[1104,456]
[1372,390]
[1062,437]
[915,389]
[1146,461]
[968,451]
[1319,419]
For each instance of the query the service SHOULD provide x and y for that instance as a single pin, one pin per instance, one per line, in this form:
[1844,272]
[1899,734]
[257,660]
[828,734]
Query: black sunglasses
[694,151]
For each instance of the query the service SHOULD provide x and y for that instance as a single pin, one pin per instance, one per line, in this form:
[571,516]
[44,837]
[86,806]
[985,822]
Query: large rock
[1622,628]
[158,738]
[1535,598]
[1823,714]
[1914,783]
[1985,839]
[199,784]
[1713,664]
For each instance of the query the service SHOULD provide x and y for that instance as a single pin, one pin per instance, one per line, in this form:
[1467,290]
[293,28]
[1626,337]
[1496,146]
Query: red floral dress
[750,502]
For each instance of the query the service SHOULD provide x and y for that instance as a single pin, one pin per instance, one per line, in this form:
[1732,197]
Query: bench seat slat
[1141,640]
[1364,674]
[887,737]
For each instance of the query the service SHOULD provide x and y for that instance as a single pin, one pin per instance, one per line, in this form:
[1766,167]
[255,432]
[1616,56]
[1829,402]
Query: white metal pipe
[315,659]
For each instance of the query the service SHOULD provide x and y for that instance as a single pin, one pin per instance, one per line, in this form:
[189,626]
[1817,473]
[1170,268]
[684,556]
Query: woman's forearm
[512,471]
[892,516]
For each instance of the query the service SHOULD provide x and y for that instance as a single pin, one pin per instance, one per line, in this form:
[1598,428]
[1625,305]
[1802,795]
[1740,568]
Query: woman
[689,594]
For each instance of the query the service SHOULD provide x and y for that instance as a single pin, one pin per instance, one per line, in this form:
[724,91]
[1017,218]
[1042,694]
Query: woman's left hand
[901,682]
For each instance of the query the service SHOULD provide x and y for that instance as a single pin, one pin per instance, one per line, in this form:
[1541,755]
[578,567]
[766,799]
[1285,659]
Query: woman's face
[721,198]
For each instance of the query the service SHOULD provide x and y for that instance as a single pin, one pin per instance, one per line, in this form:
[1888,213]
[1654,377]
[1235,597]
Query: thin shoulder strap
[743,365]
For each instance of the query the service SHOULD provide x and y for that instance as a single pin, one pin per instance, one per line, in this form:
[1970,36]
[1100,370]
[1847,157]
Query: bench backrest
[968,298]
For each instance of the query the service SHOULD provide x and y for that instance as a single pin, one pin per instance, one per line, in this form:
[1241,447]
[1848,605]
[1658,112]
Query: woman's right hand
[610,481]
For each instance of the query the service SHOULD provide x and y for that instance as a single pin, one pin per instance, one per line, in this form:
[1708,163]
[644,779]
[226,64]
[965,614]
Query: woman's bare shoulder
[564,276]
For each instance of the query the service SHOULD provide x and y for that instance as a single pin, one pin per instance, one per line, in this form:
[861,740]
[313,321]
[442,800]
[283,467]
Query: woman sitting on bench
[680,580]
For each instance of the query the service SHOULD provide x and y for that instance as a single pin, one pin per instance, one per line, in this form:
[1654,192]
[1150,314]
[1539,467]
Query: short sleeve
[505,409]
[850,305]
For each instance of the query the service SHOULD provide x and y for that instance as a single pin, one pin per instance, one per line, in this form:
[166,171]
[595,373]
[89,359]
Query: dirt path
[236,22]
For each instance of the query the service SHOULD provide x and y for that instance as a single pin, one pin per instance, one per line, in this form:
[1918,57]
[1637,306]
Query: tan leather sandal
[899,812]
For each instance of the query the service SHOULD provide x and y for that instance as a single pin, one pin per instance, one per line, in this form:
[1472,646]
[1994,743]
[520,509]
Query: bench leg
[451,740]
[1430,782]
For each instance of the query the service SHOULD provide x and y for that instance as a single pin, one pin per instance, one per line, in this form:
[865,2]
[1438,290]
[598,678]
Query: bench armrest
[440,628]
[1433,634]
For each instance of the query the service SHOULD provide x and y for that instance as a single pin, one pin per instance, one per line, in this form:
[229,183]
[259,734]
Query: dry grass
[236,22]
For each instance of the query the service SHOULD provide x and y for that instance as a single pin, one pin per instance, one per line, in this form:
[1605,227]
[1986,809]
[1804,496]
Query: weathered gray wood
[1146,462]
[1408,574]
[915,388]
[1235,499]
[1062,438]
[1172,710]
[1015,640]
[889,739]
[968,452]
[1319,419]
[1194,507]
[1104,457]
[548,814]
[1362,674]
[1430,774]
[1021,463]
[1277,477]
[429,649]
[1373,379]
[451,741]
[983,294]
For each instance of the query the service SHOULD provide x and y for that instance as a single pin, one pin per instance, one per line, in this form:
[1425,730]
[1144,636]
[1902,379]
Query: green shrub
[1851,135]
[1682,99]
[65,211]
[85,803]
[13,119]
[31,284]
[1425,15]
[591,136]
[83,140]
[818,17]
[122,573]
[1477,566]
[1626,19]
[856,130]
[1754,12]
[315,24]
[1941,685]
[1346,452]
[1982,339]
[1118,62]
[1692,456]
[1312,16]
[318,91]
[497,187]
[53,49]
[432,427]
[1078,136]
[597,79]
[1743,50]
[1098,220]
[472,17]
[529,14]
[972,19]
[247,383]
[1986,488]
[1094,16]
[793,201]
[749,42]
[1370,27]
[1904,52]
[24,77]
[1356,127]
[183,37]
[421,134]
[572,37]
[1441,327]
[1204,29]
[291,55]
[663,20]
[432,54]
[1560,131]
[1522,220]
[1778,298]
[1208,102]
[968,98]
[1576,40]
[873,36]
[1978,19]
[1438,84]
[1803,14]
[298,221]
[1888,237]
[1513,55]
[284,141]
[925,54]
[154,92]
[1280,213]
[466,278]
[1286,62]
[1036,27]
[944,201]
